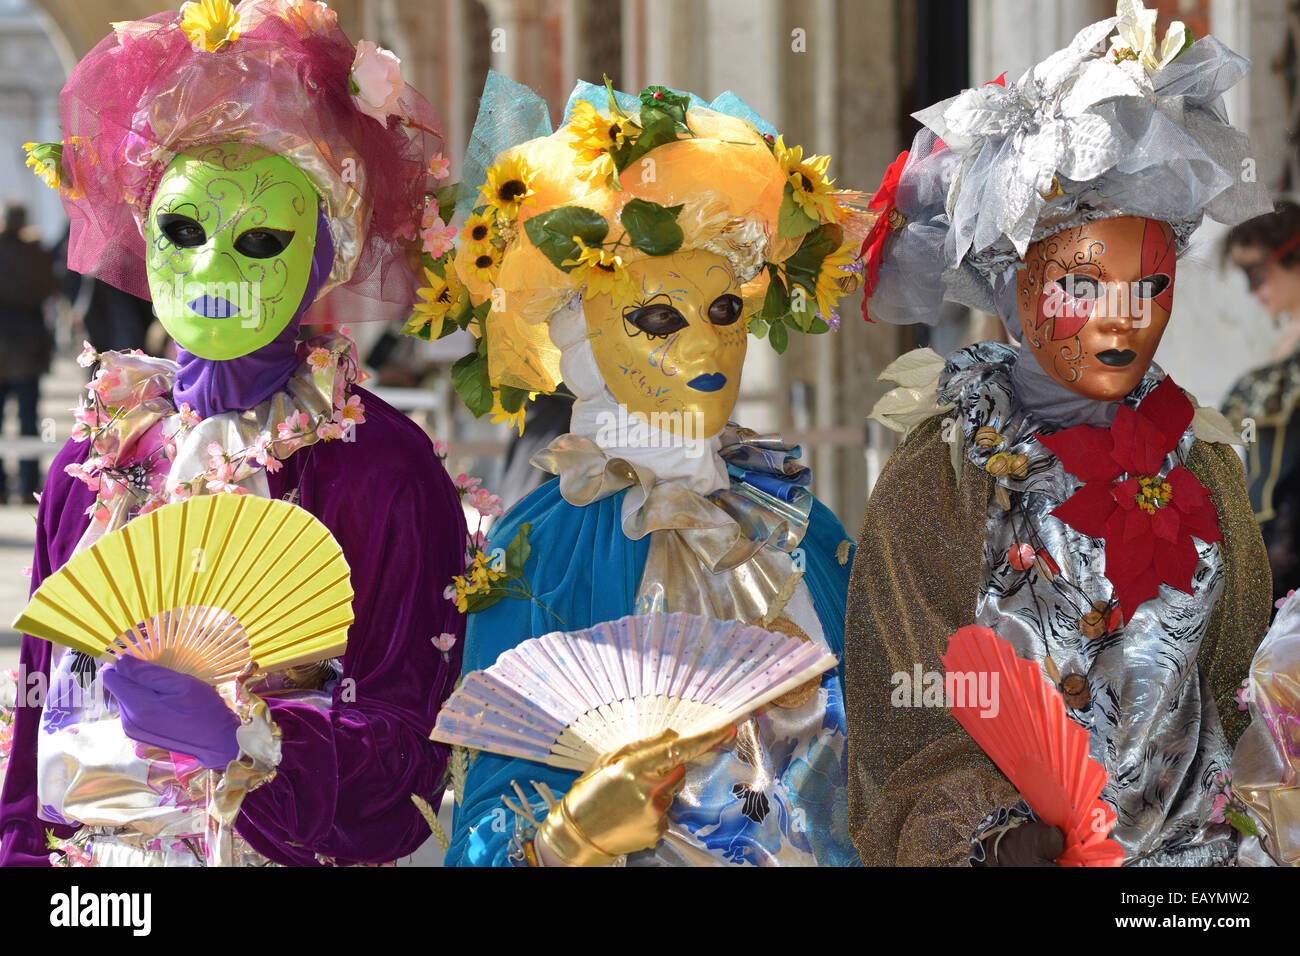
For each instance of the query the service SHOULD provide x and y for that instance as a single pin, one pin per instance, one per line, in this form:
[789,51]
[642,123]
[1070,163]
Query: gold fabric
[919,786]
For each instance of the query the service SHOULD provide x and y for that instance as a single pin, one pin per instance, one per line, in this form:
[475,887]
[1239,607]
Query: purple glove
[163,708]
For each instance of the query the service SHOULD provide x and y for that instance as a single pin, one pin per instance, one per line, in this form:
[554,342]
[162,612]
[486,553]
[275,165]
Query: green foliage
[652,228]
[552,232]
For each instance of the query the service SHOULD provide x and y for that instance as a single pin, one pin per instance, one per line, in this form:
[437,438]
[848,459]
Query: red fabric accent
[873,247]
[1106,508]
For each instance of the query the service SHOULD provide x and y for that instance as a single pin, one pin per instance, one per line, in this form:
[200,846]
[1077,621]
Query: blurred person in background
[1267,249]
[26,281]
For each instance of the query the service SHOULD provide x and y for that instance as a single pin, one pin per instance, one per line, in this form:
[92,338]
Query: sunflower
[210,24]
[812,190]
[602,272]
[440,296]
[44,160]
[477,234]
[594,136]
[485,264]
[499,416]
[509,186]
[830,287]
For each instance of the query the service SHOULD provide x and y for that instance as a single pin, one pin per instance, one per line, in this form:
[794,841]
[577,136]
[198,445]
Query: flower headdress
[1133,128]
[565,213]
[279,74]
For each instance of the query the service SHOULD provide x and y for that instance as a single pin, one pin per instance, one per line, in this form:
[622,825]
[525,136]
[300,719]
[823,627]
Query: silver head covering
[1089,133]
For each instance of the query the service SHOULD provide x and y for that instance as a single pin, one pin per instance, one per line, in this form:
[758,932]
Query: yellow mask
[675,350]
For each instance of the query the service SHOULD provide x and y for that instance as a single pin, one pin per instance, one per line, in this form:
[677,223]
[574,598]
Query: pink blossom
[218,487]
[441,448]
[105,380]
[438,238]
[377,76]
[449,592]
[293,426]
[189,417]
[1245,694]
[81,431]
[86,413]
[329,431]
[353,412]
[273,464]
[88,356]
[319,359]
[439,167]
[464,483]
[261,448]
[27,572]
[444,642]
[219,462]
[7,737]
[484,502]
[1216,812]
[152,504]
[1280,601]
[82,473]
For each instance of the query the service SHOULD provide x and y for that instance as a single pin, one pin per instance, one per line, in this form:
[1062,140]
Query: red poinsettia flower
[1147,520]
[884,201]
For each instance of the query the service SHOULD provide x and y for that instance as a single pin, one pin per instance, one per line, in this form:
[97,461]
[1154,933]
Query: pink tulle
[144,94]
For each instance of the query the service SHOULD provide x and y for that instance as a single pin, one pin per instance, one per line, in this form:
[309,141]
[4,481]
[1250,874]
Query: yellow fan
[203,586]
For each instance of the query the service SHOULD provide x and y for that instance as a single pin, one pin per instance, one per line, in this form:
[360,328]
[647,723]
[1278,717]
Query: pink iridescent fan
[1041,751]
[566,698]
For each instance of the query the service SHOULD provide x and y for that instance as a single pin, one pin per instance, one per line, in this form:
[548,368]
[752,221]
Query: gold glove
[618,806]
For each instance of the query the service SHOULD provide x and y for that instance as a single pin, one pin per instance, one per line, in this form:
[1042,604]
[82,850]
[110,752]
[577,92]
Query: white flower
[377,81]
[1137,38]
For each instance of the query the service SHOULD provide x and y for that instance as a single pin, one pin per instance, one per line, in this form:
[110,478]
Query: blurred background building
[839,76]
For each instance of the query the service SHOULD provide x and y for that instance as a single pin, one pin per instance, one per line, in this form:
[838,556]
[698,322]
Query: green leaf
[779,337]
[552,232]
[673,104]
[803,267]
[657,128]
[819,325]
[512,399]
[757,327]
[792,220]
[776,304]
[469,376]
[1188,40]
[446,197]
[518,550]
[652,228]
[1241,822]
[483,600]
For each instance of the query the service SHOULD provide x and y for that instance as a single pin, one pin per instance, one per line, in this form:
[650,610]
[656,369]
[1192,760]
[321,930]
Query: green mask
[229,239]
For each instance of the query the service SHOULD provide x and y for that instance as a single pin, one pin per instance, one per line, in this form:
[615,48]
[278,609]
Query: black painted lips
[1117,358]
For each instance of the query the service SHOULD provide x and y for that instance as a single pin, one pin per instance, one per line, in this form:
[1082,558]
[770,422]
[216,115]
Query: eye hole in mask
[183,231]
[656,319]
[1151,286]
[725,309]
[263,243]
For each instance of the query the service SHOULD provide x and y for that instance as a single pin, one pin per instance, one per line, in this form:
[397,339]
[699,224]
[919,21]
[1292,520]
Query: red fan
[1025,731]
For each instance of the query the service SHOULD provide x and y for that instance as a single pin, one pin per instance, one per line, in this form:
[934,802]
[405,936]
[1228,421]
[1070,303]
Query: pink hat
[276,73]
